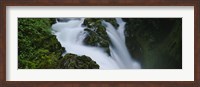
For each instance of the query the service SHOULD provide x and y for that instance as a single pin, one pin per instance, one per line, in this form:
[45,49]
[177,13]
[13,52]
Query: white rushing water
[71,35]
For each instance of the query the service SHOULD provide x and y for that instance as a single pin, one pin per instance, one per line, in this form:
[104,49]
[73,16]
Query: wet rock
[72,61]
[67,19]
[112,21]
[96,34]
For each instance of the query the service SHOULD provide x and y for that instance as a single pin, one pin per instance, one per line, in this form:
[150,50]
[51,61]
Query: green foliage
[37,47]
[72,61]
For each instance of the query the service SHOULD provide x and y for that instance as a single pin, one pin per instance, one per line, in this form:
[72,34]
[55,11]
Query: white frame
[184,12]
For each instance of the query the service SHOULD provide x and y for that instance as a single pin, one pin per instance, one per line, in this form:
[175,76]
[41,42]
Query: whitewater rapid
[71,35]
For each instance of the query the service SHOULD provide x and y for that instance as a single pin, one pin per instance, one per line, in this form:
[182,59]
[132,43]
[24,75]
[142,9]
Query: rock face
[66,19]
[72,61]
[96,33]
[37,47]
[155,42]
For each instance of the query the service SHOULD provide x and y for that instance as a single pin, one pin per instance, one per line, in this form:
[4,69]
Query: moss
[72,61]
[52,20]
[97,35]
[112,21]
[37,47]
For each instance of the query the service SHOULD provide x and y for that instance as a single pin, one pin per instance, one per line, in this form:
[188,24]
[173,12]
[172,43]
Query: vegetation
[155,42]
[39,49]
[97,35]
[72,61]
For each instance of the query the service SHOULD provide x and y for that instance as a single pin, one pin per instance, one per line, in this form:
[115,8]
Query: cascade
[71,34]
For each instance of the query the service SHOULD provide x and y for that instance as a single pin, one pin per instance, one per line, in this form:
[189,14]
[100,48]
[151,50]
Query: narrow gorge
[99,43]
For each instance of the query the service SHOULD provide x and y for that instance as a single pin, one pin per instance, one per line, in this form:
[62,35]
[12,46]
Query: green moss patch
[37,47]
[72,61]
[97,35]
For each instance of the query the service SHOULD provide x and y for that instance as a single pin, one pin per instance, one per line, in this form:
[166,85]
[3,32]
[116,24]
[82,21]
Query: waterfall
[71,34]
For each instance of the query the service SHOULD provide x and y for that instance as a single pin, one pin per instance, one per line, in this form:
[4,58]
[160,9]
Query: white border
[185,74]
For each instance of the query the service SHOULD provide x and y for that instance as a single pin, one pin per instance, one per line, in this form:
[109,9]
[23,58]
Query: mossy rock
[72,61]
[37,47]
[97,35]
[112,21]
[95,22]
